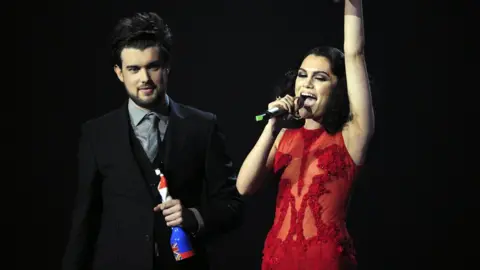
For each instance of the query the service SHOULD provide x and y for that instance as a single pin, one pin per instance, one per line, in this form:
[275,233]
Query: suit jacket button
[147,237]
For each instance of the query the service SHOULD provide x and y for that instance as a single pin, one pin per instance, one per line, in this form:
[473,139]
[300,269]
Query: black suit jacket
[114,226]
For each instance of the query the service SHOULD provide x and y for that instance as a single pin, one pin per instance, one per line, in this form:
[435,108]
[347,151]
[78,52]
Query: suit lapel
[132,153]
[174,135]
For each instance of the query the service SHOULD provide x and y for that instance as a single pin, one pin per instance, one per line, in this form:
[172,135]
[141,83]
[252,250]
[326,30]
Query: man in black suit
[120,221]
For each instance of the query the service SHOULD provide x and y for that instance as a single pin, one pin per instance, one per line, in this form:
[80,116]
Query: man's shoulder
[103,121]
[196,113]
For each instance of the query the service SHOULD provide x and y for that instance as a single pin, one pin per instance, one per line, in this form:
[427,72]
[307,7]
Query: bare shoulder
[273,149]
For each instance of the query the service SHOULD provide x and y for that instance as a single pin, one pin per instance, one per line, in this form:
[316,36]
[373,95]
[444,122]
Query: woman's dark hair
[141,31]
[337,108]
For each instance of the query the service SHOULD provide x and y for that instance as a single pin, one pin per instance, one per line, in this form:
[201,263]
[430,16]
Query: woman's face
[314,83]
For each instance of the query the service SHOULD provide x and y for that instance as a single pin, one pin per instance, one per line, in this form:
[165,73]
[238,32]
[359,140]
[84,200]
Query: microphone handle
[273,112]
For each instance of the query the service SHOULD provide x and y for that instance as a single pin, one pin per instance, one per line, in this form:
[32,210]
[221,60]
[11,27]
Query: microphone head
[301,102]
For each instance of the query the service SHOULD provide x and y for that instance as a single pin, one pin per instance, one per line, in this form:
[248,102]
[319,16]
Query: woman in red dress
[318,162]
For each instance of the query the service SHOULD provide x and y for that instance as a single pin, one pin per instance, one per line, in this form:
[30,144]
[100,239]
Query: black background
[227,57]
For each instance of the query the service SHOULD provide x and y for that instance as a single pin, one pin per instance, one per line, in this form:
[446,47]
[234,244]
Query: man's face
[143,75]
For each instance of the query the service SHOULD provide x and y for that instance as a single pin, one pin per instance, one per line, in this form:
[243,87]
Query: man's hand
[172,211]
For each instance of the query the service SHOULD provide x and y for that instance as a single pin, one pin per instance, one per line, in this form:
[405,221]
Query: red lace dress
[309,230]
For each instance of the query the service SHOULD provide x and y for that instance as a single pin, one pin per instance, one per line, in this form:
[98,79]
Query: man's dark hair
[141,31]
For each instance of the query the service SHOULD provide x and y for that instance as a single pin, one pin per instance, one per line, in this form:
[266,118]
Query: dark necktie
[147,133]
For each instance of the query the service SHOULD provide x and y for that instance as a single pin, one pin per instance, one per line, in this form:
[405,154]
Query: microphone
[273,112]
[276,112]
